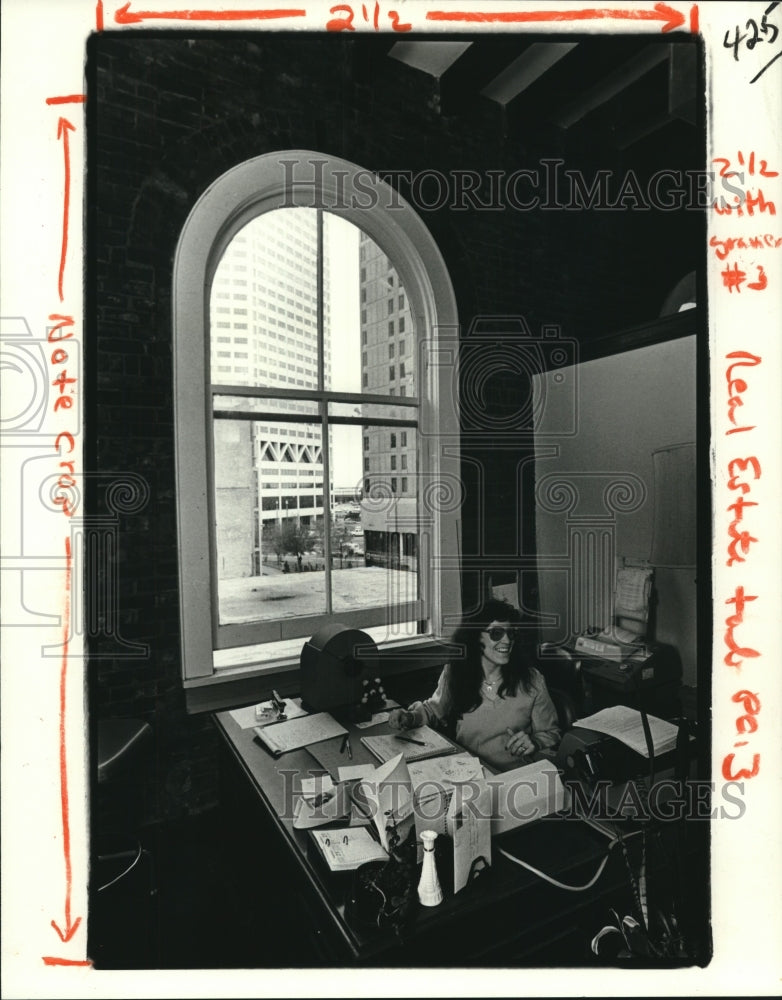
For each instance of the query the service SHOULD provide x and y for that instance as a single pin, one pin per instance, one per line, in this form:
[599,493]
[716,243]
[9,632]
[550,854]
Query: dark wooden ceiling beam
[431,57]
[626,137]
[537,59]
[612,84]
[462,83]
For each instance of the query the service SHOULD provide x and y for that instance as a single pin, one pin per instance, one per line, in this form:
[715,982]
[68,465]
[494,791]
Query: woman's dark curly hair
[465,673]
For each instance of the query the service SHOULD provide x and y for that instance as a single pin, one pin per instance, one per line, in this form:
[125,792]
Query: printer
[619,664]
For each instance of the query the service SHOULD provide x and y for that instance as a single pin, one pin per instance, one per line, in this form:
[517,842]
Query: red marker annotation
[669,17]
[124,15]
[60,356]
[745,725]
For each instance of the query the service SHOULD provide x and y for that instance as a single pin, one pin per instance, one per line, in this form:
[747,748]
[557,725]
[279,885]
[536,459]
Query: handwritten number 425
[754,33]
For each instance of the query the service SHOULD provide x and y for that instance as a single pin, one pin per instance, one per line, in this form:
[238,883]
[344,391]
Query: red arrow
[54,960]
[70,925]
[670,17]
[63,127]
[125,16]
[67,99]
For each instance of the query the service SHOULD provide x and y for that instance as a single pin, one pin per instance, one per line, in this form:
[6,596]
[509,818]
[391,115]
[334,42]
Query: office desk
[507,916]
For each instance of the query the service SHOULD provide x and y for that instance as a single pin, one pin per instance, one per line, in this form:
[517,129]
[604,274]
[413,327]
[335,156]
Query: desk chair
[123,917]
[562,673]
[566,708]
[123,745]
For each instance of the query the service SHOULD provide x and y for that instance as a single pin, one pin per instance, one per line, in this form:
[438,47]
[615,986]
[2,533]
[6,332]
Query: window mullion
[324,415]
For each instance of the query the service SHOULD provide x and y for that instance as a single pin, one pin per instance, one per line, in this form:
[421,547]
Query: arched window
[294,276]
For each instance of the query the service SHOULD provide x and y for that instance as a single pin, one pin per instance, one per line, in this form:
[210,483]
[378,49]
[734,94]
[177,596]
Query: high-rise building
[264,322]
[388,365]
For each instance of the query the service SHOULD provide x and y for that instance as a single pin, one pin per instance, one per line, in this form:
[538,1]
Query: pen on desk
[409,739]
[346,746]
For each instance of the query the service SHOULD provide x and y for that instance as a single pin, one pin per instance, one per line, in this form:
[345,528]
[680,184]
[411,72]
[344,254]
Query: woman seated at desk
[499,702]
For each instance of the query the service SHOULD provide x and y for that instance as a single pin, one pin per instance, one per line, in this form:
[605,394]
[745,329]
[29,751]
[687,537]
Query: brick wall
[167,115]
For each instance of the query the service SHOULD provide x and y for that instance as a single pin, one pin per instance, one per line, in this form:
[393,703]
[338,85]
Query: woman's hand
[520,744]
[401,718]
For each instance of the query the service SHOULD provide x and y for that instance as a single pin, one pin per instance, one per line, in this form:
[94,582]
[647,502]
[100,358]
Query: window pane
[265,301]
[342,283]
[269,520]
[357,581]
[391,536]
[375,411]
[285,408]
[358,311]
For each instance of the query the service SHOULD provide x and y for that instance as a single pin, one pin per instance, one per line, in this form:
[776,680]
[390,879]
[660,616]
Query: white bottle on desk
[430,892]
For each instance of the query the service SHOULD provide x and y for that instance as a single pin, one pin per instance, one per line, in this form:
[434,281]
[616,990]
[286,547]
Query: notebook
[344,850]
[413,744]
[279,737]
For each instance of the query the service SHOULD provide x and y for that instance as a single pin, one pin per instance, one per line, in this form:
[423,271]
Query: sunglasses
[496,633]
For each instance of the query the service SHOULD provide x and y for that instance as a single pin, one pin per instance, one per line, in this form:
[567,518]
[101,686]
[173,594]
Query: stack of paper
[626,725]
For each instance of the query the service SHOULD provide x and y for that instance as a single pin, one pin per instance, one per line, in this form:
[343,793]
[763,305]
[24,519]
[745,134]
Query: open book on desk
[626,725]
[347,849]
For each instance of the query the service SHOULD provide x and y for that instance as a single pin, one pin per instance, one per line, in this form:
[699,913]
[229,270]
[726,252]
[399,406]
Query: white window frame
[259,185]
